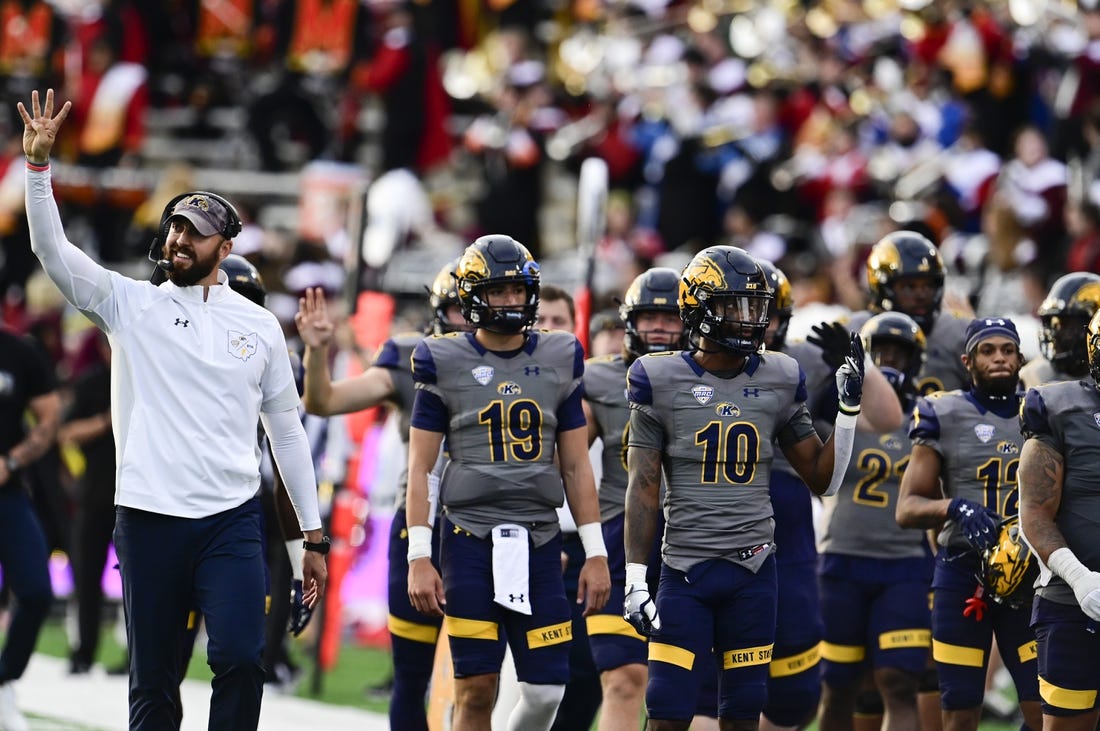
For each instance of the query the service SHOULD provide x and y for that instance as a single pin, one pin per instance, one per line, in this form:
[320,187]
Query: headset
[156,246]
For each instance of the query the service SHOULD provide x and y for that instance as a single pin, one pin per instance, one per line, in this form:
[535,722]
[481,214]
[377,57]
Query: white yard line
[98,701]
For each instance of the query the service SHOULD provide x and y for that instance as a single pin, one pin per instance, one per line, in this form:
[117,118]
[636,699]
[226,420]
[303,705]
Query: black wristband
[322,547]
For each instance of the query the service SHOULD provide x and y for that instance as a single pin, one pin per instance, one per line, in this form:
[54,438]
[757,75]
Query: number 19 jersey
[503,415]
[717,436]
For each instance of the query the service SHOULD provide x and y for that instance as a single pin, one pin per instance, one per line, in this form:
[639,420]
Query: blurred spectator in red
[1083,223]
[109,108]
[107,130]
[404,72]
[317,43]
[32,36]
[1033,186]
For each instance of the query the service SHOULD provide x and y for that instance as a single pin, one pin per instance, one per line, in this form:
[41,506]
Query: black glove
[979,524]
[834,341]
[300,614]
[849,377]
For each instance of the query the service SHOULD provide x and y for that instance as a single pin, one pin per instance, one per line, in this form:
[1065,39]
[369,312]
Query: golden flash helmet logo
[702,274]
[1009,565]
[472,266]
[1087,298]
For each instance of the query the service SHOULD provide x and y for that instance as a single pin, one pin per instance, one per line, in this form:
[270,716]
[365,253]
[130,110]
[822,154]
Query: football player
[509,402]
[962,475]
[905,273]
[794,677]
[388,380]
[1065,313]
[1058,514]
[653,325]
[710,417]
[875,577]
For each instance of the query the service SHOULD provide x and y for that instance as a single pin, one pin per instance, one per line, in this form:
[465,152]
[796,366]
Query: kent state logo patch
[241,345]
[702,393]
[483,374]
[509,388]
[1007,447]
[984,432]
[727,409]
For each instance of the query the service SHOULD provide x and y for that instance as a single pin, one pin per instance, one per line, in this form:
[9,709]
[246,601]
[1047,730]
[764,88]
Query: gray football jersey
[980,452]
[718,438]
[1039,371]
[1066,417]
[943,369]
[862,522]
[395,355]
[605,391]
[503,414]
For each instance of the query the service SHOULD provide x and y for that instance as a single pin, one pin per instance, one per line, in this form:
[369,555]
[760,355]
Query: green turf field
[350,683]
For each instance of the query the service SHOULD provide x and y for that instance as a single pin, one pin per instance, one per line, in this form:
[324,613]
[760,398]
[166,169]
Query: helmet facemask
[502,319]
[735,322]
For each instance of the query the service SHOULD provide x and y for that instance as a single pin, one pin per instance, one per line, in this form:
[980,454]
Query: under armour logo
[966,510]
[994,321]
[514,598]
[530,370]
[754,392]
[182,322]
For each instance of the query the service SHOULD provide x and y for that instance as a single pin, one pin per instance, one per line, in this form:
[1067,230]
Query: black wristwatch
[322,548]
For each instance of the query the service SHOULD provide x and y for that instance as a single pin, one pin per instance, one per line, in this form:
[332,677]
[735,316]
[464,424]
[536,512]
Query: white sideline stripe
[98,701]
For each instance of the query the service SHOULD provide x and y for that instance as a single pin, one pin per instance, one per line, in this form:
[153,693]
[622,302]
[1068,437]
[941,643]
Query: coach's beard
[198,270]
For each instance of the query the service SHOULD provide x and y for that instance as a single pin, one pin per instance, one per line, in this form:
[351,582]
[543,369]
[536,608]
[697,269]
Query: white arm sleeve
[844,437]
[290,448]
[82,281]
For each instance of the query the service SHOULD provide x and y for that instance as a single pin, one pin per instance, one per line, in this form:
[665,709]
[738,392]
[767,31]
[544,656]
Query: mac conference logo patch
[702,393]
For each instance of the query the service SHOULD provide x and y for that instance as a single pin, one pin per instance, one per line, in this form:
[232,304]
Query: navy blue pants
[25,561]
[170,565]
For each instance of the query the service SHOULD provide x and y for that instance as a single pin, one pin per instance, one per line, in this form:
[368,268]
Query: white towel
[510,566]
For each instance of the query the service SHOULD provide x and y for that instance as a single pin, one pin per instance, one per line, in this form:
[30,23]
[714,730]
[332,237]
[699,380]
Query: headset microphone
[165,264]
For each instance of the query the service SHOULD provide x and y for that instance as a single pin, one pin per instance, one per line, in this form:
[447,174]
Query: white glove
[639,608]
[1085,583]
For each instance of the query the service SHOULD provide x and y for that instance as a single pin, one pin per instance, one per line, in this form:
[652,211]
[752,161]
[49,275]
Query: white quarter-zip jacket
[189,378]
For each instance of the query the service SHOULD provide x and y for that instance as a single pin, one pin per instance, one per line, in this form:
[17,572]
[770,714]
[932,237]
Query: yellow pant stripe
[843,653]
[192,619]
[403,628]
[746,656]
[472,629]
[553,634]
[1027,651]
[610,624]
[973,657]
[1071,700]
[795,664]
[672,655]
[902,638]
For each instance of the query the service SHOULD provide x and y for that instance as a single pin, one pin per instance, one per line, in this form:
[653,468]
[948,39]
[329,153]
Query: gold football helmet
[1010,568]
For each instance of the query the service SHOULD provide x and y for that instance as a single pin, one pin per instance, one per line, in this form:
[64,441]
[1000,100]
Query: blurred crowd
[802,131]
